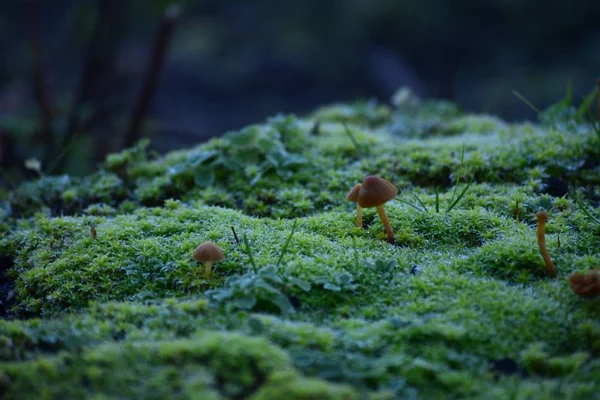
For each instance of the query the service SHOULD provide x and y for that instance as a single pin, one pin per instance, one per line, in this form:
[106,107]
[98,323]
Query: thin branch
[161,44]
[40,79]
[85,81]
[237,240]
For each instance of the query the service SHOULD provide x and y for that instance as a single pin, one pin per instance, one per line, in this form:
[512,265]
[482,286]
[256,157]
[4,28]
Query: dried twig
[235,236]
[161,43]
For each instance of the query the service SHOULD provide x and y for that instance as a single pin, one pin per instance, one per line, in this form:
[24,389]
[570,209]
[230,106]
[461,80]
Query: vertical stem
[542,217]
[386,224]
[40,80]
[359,216]
[161,44]
[355,252]
[208,268]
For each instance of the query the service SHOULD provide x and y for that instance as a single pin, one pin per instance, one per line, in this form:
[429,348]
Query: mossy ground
[459,306]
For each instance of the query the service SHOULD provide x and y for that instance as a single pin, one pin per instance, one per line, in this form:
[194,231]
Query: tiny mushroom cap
[208,251]
[586,285]
[352,195]
[375,191]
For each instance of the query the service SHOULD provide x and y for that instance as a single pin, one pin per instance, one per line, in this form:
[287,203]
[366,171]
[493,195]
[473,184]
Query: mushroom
[375,192]
[352,196]
[542,217]
[208,252]
[586,285]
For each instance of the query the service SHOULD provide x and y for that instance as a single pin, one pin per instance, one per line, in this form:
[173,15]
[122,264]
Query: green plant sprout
[355,251]
[527,103]
[454,200]
[286,244]
[249,253]
[563,110]
[352,138]
[586,211]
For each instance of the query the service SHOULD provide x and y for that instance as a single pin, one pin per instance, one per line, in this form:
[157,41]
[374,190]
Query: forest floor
[101,296]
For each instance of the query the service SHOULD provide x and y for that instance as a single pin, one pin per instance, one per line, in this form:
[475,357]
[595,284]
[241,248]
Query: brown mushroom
[208,252]
[586,285]
[352,196]
[542,218]
[375,192]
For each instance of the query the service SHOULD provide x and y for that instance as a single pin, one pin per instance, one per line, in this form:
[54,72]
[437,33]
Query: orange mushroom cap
[586,284]
[208,251]
[352,195]
[375,191]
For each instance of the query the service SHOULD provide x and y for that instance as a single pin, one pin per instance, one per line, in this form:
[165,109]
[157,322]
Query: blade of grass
[355,251]
[527,102]
[420,202]
[58,159]
[460,196]
[352,138]
[437,199]
[585,105]
[408,204]
[593,122]
[249,253]
[286,244]
[462,161]
[569,96]
[586,212]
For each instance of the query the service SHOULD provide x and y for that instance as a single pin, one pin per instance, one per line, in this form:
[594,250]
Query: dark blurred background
[82,78]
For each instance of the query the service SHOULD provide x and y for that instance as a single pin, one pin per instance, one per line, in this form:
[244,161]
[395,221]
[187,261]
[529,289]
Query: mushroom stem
[207,268]
[358,216]
[386,223]
[542,217]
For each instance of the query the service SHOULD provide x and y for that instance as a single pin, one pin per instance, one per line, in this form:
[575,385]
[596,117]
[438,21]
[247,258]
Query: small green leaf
[332,287]
[196,159]
[584,107]
[246,137]
[283,303]
[301,283]
[204,177]
[244,302]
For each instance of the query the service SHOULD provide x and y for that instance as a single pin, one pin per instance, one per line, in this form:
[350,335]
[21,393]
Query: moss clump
[460,305]
[211,365]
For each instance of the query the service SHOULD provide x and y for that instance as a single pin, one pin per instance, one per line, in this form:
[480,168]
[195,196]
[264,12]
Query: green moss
[212,365]
[289,386]
[344,314]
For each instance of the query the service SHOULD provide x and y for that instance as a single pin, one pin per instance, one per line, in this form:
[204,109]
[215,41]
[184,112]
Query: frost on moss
[460,305]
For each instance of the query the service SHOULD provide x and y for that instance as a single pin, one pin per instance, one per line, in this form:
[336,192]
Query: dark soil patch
[7,287]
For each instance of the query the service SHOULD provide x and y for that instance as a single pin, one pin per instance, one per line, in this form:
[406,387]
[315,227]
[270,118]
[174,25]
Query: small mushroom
[542,218]
[352,196]
[208,252]
[375,192]
[586,285]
